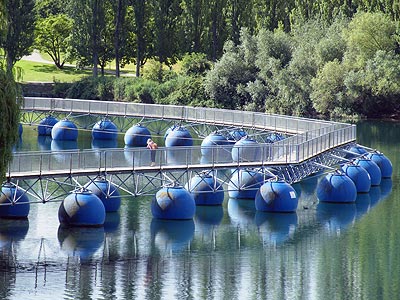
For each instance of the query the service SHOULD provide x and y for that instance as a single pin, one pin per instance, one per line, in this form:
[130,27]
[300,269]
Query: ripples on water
[324,251]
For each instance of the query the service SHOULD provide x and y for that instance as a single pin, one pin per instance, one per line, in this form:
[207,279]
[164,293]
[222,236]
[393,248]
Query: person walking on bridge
[153,147]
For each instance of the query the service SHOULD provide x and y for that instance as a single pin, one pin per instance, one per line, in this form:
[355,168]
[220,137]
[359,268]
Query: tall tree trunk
[95,37]
[140,9]
[9,64]
[214,33]
[117,37]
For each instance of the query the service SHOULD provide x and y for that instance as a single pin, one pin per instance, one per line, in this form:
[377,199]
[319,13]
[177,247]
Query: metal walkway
[309,144]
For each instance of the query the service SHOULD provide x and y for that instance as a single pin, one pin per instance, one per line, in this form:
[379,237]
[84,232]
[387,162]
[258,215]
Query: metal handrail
[312,138]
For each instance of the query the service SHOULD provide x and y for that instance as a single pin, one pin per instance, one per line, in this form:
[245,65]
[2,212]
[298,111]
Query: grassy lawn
[40,72]
[47,72]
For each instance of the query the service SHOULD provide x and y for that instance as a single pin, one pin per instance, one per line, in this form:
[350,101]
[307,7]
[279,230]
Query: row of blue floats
[88,206]
[137,136]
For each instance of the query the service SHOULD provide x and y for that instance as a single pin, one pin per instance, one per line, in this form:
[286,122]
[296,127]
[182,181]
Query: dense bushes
[341,69]
[330,70]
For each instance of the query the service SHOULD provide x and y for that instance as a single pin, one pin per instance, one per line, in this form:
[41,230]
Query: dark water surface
[324,251]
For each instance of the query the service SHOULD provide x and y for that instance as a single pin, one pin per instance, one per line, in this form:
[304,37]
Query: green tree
[167,14]
[328,90]
[143,28]
[87,40]
[366,34]
[47,8]
[226,82]
[19,38]
[9,106]
[52,36]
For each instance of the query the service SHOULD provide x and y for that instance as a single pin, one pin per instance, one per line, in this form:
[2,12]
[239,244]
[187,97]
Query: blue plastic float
[359,175]
[372,168]
[104,130]
[276,196]
[206,190]
[244,184]
[107,192]
[246,150]
[336,187]
[137,136]
[46,125]
[64,130]
[236,134]
[384,164]
[210,143]
[82,208]
[179,136]
[15,202]
[173,203]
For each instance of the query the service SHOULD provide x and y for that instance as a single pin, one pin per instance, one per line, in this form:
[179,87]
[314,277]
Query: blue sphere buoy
[46,125]
[173,203]
[358,150]
[336,187]
[170,129]
[20,130]
[206,190]
[236,134]
[384,164]
[179,136]
[246,150]
[213,143]
[105,130]
[137,136]
[14,202]
[359,175]
[82,208]
[274,137]
[244,184]
[276,196]
[64,130]
[372,168]
[107,192]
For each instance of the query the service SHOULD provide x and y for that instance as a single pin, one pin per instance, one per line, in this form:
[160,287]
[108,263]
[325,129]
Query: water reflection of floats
[171,235]
[44,142]
[82,242]
[207,218]
[241,212]
[12,231]
[276,228]
[336,217]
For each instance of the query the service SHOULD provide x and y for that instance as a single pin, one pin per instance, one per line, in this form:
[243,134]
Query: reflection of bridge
[308,142]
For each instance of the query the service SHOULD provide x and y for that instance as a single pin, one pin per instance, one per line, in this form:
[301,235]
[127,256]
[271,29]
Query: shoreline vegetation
[319,69]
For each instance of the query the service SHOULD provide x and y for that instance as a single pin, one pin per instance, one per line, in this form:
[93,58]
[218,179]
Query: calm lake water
[324,251]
